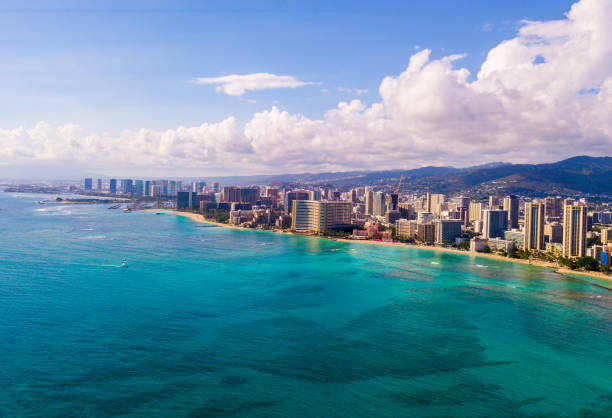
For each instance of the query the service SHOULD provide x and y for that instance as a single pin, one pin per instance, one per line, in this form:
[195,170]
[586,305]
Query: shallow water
[219,322]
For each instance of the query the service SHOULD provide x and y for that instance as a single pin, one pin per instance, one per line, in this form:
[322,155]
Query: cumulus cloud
[546,94]
[238,84]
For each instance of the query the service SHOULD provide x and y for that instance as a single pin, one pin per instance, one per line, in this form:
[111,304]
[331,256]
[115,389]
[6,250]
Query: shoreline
[196,217]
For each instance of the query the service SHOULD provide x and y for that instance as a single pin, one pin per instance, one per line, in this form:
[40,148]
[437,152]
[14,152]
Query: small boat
[42,202]
[123,264]
[114,207]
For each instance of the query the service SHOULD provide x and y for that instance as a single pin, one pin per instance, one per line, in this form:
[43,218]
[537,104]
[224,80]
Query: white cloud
[238,84]
[358,92]
[515,109]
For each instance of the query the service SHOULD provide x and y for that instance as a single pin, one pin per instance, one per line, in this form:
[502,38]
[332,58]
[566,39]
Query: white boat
[123,264]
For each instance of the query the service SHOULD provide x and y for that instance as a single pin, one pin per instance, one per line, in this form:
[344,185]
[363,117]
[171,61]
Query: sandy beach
[539,263]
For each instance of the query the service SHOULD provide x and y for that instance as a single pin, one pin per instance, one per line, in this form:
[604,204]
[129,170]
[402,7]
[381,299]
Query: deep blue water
[210,321]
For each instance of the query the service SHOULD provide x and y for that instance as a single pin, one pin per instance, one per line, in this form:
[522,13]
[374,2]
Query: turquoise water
[209,321]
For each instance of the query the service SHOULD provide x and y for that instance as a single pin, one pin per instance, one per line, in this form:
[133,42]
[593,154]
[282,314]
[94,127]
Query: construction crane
[399,185]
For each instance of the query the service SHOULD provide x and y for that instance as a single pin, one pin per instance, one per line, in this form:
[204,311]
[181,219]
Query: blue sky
[113,65]
[180,88]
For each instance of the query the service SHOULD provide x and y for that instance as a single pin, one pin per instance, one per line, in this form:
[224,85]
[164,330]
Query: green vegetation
[465,245]
[593,241]
[217,215]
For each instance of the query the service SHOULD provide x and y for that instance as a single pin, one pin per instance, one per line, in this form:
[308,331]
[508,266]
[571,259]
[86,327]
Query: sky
[188,88]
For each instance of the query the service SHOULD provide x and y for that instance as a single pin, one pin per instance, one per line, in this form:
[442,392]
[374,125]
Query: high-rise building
[447,230]
[249,195]
[293,195]
[88,184]
[320,216]
[426,232]
[534,226]
[606,236]
[406,229]
[553,233]
[406,210]
[392,200]
[271,192]
[392,216]
[379,205]
[184,200]
[605,218]
[112,186]
[574,230]
[99,184]
[165,187]
[172,188]
[334,215]
[215,186]
[138,188]
[475,212]
[315,194]
[463,207]
[434,203]
[424,217]
[127,186]
[494,202]
[353,195]
[553,207]
[511,204]
[146,188]
[305,215]
[494,223]
[369,201]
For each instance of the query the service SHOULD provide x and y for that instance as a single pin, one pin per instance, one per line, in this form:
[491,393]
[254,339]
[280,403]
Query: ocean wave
[93,237]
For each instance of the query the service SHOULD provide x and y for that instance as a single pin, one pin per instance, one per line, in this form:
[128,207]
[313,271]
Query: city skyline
[529,88]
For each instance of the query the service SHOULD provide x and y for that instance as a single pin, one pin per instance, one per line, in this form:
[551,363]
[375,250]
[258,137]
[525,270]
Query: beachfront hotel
[534,226]
[574,229]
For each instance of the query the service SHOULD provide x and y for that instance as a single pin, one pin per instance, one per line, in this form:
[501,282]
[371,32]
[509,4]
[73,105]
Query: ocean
[210,321]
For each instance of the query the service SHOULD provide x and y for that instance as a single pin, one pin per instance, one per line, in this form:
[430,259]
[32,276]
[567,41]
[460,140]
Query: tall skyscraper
[606,236]
[172,188]
[511,204]
[127,186]
[184,200]
[475,212]
[494,223]
[112,186]
[291,196]
[369,201]
[434,203]
[574,230]
[99,184]
[534,226]
[392,201]
[139,188]
[379,205]
[88,184]
[553,207]
[494,202]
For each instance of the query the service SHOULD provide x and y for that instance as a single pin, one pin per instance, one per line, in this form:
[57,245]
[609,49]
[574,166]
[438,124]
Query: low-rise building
[478,244]
[516,236]
[406,229]
[497,244]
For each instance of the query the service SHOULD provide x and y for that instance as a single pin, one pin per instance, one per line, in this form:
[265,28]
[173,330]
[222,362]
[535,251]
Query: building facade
[534,226]
[574,230]
[494,223]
